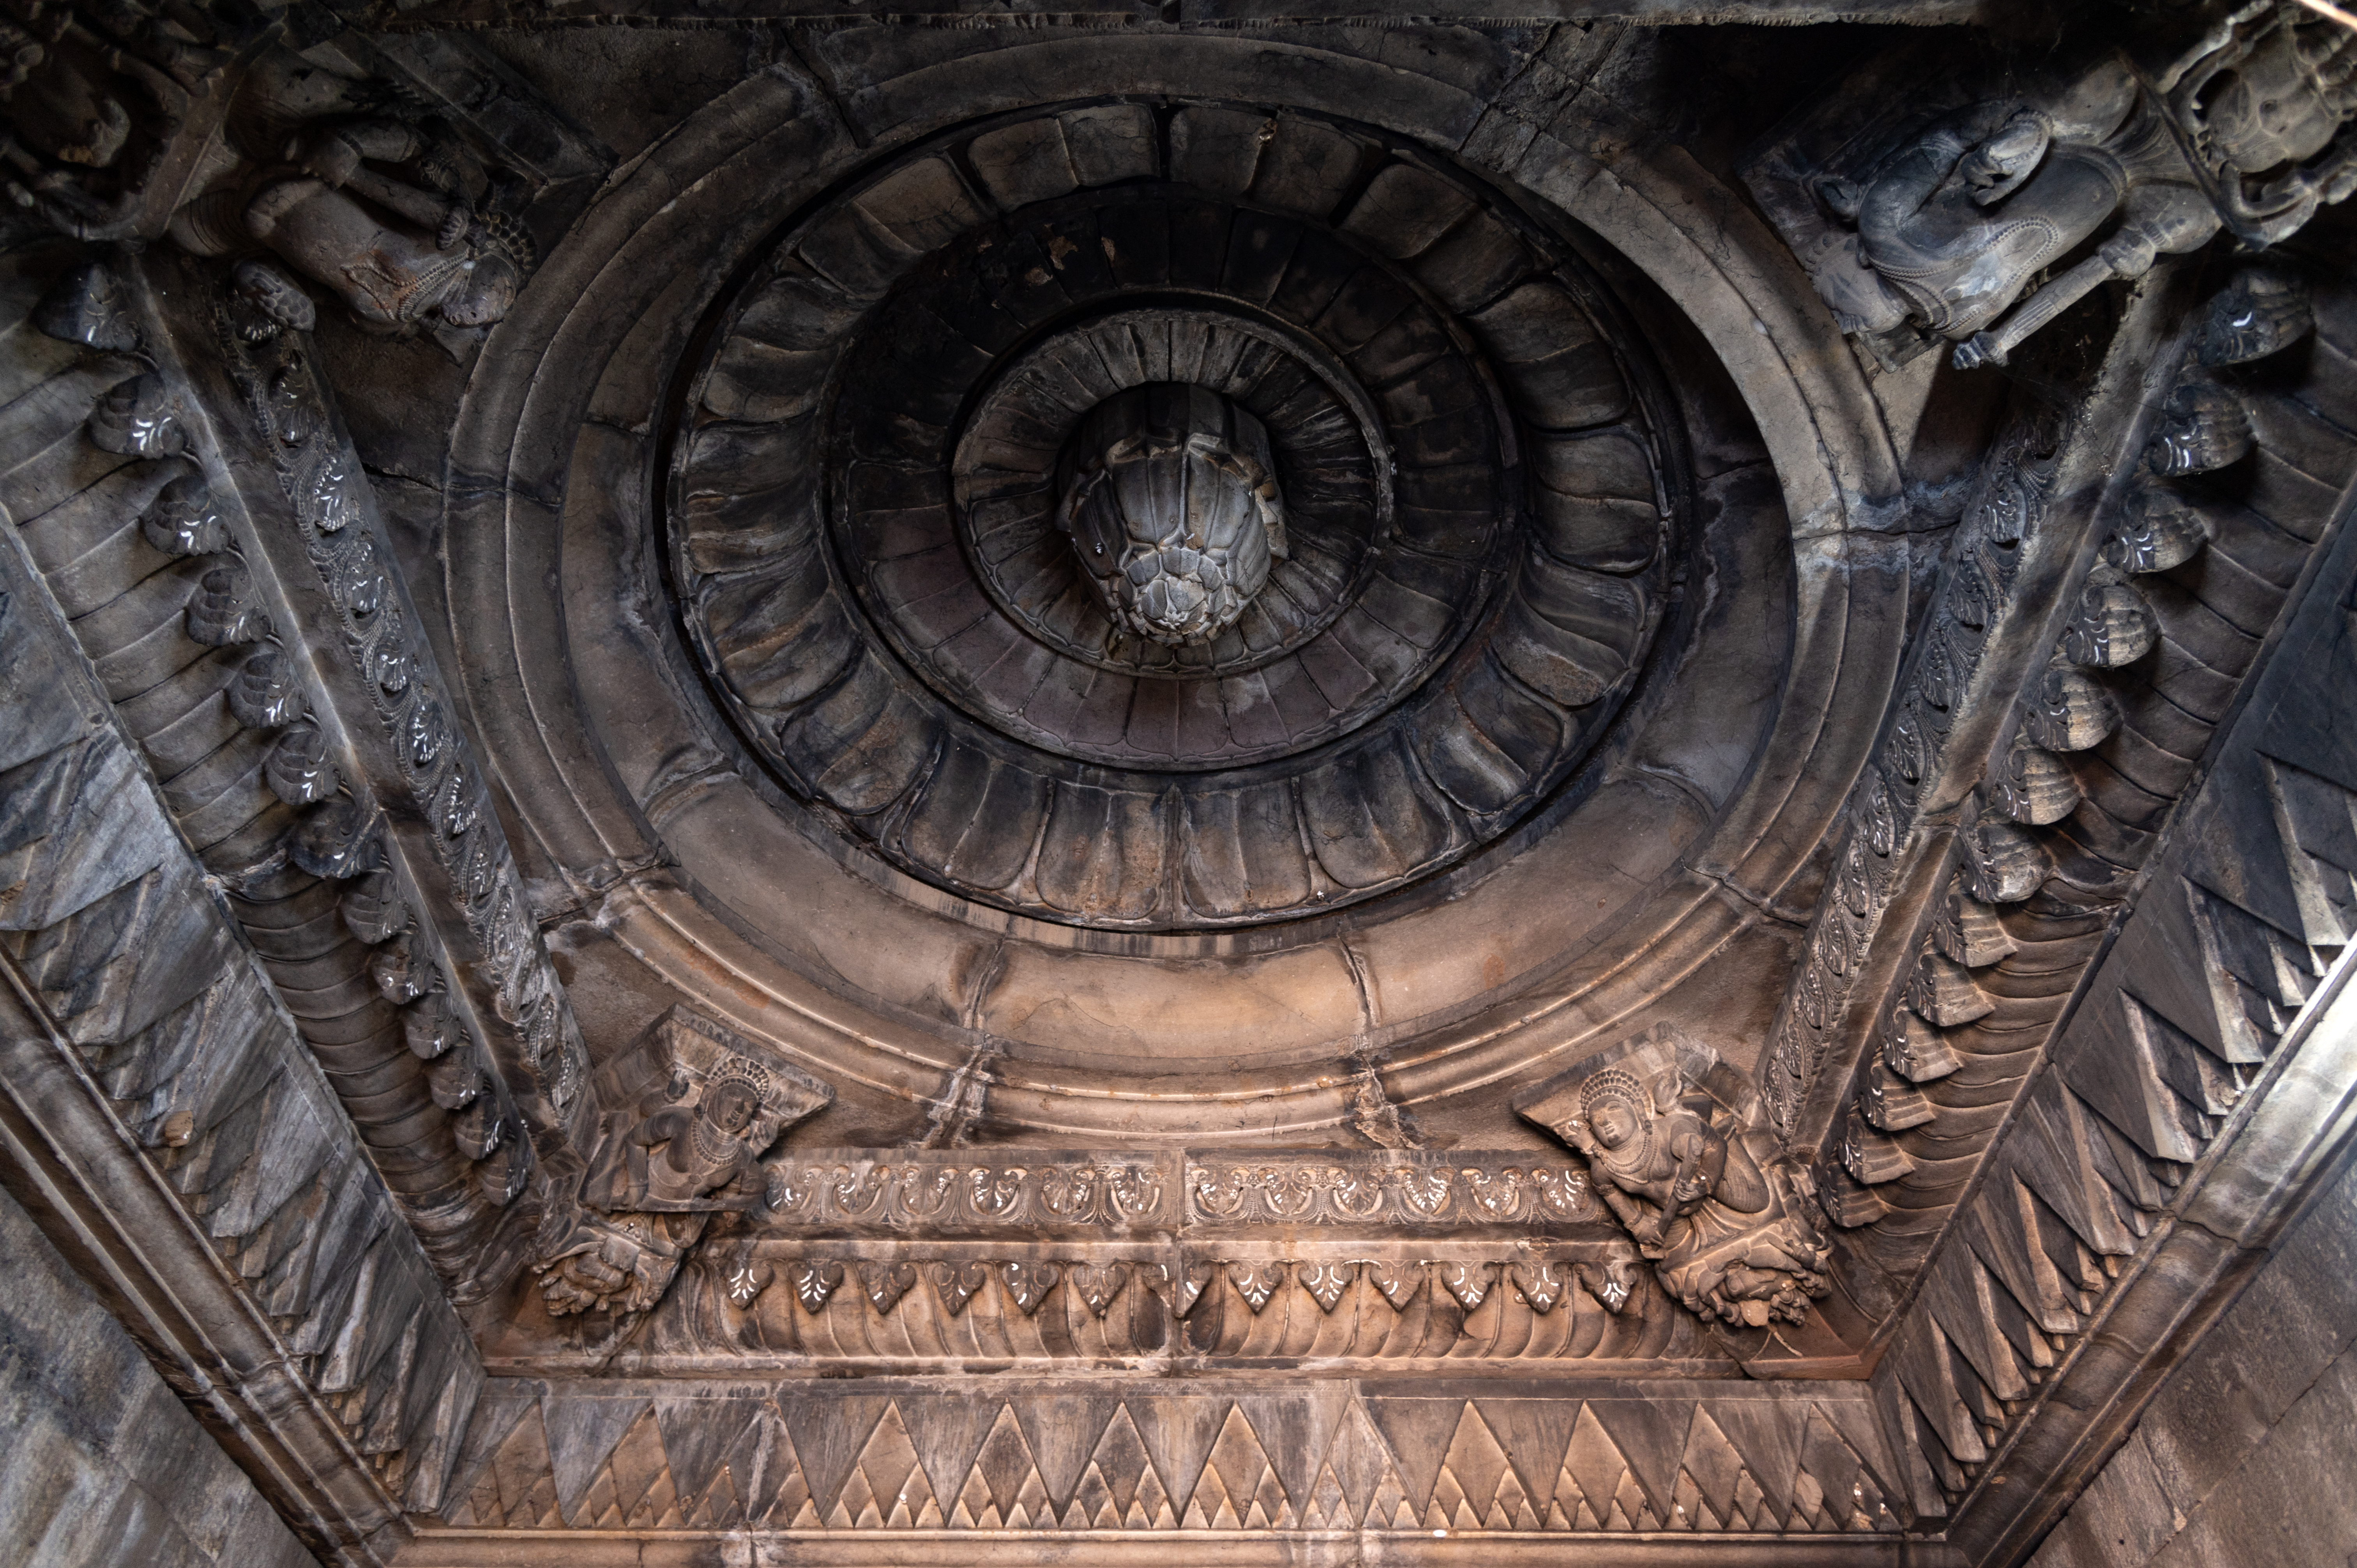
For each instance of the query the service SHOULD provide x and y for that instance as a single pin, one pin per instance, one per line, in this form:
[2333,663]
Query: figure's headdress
[504,235]
[749,1075]
[1619,1083]
[1614,1083]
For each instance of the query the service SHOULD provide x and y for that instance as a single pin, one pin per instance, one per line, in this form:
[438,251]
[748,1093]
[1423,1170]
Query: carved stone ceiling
[1322,779]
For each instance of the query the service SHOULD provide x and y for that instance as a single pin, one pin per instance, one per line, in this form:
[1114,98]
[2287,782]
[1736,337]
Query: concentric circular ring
[864,485]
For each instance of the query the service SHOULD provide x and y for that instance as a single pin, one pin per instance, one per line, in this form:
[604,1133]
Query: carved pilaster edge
[162,1123]
[2301,1133]
[2193,1094]
[2028,529]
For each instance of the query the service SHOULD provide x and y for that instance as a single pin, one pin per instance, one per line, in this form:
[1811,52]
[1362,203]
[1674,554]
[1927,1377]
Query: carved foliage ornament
[1309,1192]
[931,1194]
[1679,1147]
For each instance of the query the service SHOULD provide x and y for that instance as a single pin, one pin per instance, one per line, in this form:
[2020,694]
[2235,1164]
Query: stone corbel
[1678,1145]
[690,1110]
[409,221]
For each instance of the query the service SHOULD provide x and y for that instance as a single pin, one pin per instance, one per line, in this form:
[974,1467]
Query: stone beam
[163,1122]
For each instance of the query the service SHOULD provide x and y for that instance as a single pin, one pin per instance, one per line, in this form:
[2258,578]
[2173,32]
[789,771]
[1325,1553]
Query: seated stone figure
[2265,115]
[692,1145]
[1666,1159]
[1953,227]
[378,210]
[1678,1148]
[1959,226]
[93,96]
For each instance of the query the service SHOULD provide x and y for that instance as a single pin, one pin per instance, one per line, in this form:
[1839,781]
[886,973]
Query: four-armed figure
[698,1113]
[1654,1164]
[1678,1148]
[129,120]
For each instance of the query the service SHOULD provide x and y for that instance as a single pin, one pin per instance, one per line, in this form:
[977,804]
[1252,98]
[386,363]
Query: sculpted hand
[332,160]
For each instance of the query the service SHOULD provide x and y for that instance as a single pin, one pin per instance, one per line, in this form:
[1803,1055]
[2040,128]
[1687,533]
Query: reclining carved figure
[396,252]
[118,127]
[1945,230]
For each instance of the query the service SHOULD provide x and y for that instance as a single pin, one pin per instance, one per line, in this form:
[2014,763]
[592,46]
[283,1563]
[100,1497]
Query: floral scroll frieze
[896,1192]
[870,1189]
[1327,1192]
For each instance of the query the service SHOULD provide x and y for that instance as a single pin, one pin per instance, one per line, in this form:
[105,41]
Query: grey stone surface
[104,1465]
[162,1119]
[2244,1455]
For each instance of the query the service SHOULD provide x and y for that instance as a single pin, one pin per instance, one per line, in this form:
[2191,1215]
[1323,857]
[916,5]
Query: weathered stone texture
[2243,1456]
[786,784]
[161,1111]
[104,1465]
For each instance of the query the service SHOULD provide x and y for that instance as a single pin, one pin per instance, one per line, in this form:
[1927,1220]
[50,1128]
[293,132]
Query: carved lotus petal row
[1540,1284]
[2068,710]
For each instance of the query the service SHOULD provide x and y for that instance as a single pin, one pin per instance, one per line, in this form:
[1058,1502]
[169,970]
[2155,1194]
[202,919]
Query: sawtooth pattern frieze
[2175,575]
[275,141]
[899,1260]
[667,1458]
[1200,1307]
[2085,1225]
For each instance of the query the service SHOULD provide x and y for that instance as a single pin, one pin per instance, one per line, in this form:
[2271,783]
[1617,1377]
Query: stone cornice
[163,1122]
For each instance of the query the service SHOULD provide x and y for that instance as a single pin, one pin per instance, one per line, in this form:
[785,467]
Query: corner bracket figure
[1678,1145]
[697,1113]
